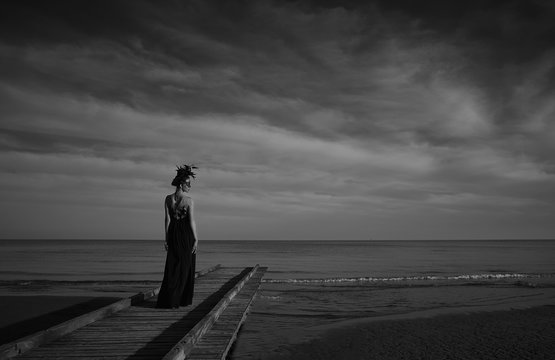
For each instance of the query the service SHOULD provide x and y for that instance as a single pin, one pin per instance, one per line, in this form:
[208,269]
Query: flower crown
[185,170]
[183,173]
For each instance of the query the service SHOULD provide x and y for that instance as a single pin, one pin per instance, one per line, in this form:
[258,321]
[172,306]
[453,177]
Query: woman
[181,243]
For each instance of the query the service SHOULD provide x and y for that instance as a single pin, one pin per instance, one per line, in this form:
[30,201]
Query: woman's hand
[166,245]
[195,247]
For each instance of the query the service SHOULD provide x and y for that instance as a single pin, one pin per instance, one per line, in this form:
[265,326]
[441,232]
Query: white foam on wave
[409,278]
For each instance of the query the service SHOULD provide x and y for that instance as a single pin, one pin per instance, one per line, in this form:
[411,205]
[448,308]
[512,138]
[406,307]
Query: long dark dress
[179,273]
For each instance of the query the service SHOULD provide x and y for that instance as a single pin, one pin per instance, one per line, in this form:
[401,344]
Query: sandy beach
[24,315]
[513,334]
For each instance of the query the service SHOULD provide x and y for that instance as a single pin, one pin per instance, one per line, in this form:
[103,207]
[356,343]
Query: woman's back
[181,243]
[177,206]
[178,283]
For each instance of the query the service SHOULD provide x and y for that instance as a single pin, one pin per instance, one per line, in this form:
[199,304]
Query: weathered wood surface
[183,349]
[29,342]
[217,341]
[141,331]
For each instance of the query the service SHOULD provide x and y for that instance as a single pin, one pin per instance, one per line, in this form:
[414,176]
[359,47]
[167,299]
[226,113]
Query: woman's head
[185,185]
[183,177]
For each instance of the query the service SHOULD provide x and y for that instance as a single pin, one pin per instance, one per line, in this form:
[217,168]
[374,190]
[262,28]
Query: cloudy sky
[308,120]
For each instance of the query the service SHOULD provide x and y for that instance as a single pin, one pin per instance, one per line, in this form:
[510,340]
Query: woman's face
[186,185]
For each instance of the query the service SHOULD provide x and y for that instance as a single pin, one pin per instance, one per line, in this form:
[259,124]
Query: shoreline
[439,312]
[518,333]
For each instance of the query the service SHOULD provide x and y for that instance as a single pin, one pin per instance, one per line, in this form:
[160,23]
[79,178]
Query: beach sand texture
[24,315]
[512,334]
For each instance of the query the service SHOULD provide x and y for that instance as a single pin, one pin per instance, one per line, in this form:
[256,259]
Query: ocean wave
[371,279]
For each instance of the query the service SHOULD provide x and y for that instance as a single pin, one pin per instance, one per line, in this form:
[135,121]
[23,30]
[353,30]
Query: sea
[311,286]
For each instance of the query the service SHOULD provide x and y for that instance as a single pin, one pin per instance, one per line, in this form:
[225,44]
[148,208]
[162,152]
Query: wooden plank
[147,333]
[29,342]
[217,342]
[184,347]
[132,337]
[207,270]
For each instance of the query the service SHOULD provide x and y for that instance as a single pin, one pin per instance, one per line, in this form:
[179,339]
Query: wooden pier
[134,329]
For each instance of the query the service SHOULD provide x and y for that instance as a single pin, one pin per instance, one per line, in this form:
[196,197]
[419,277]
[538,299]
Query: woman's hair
[184,172]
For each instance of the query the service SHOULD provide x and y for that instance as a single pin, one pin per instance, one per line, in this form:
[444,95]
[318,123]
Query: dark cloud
[25,22]
[383,110]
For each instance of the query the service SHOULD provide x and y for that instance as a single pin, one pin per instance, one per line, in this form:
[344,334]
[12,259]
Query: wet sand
[512,334]
[24,315]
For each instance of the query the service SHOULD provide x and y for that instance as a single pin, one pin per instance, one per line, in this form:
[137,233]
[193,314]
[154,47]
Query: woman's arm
[166,223]
[193,225]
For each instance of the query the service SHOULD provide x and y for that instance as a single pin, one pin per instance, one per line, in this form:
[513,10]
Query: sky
[307,119]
